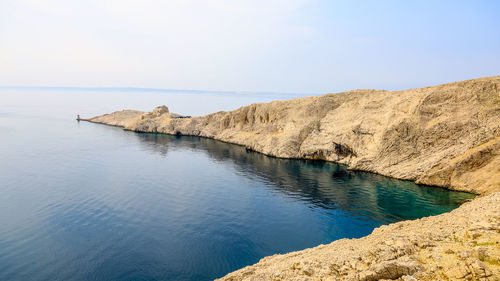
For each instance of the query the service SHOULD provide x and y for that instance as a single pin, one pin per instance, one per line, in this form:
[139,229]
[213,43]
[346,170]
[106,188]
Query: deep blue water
[81,201]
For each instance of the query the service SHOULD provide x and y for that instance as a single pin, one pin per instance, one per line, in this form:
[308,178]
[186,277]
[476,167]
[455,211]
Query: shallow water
[81,201]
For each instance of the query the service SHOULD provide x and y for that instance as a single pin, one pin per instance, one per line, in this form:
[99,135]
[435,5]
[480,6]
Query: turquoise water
[82,201]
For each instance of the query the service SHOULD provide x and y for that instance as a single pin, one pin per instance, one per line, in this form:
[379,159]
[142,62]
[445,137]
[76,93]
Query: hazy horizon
[295,46]
[146,89]
[141,89]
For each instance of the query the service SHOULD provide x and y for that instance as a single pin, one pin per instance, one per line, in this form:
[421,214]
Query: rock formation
[447,135]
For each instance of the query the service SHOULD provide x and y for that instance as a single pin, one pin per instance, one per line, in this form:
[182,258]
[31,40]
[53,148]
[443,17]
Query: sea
[83,201]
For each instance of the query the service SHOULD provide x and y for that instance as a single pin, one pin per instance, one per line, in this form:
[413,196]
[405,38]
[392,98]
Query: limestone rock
[447,135]
[160,110]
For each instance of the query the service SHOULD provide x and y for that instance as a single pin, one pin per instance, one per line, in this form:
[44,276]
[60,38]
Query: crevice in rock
[343,150]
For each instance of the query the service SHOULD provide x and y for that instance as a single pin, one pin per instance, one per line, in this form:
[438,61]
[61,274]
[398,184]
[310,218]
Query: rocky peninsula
[446,136]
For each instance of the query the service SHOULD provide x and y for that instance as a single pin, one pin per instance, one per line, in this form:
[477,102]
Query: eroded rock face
[160,110]
[447,135]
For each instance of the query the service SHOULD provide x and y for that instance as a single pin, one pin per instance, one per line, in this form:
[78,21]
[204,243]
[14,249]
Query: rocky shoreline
[461,245]
[447,136]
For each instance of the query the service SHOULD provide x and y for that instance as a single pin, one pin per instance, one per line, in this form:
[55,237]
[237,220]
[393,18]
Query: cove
[100,203]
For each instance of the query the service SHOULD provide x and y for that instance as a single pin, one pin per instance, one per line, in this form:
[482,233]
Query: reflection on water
[81,201]
[323,184]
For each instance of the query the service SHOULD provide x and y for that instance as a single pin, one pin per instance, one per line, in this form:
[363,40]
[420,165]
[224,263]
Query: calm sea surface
[81,201]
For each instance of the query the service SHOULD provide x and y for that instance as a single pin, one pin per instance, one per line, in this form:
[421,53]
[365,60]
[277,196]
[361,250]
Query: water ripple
[89,202]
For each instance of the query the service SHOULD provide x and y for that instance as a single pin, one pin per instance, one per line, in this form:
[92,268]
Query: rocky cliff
[447,135]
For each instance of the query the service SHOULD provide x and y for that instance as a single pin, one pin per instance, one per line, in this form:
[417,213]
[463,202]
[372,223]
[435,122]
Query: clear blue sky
[261,45]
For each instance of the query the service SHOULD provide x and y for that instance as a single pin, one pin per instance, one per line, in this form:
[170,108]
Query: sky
[296,46]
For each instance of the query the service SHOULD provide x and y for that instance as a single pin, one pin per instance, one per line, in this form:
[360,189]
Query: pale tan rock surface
[447,135]
[118,118]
